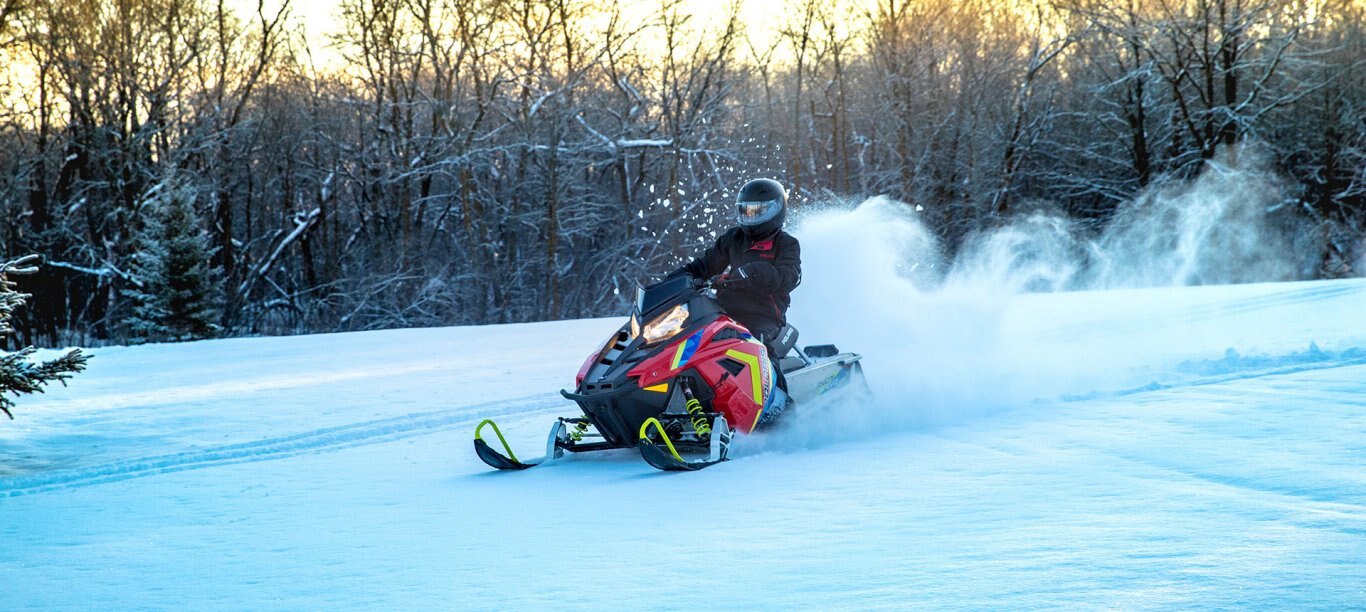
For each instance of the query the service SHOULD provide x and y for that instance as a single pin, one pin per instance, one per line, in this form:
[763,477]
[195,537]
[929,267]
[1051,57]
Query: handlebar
[715,282]
[720,280]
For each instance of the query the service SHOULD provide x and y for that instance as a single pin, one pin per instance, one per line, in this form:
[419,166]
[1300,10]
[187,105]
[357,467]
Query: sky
[319,18]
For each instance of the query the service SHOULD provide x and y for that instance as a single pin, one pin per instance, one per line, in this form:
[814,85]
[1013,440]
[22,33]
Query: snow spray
[873,283]
[937,336]
[1228,225]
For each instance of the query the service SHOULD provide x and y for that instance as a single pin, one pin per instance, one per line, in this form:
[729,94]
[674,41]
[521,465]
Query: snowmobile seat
[783,343]
[782,347]
[790,364]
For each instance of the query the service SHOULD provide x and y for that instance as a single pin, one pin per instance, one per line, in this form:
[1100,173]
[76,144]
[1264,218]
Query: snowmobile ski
[509,462]
[668,458]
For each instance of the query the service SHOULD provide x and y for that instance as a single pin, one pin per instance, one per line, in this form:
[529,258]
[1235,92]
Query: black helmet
[760,207]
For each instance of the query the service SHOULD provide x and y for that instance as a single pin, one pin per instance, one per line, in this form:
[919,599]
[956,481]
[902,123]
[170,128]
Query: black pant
[766,330]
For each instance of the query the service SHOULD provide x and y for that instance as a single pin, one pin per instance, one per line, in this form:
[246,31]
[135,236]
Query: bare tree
[471,161]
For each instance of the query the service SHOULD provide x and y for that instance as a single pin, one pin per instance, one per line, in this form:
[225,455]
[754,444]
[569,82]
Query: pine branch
[19,376]
[18,373]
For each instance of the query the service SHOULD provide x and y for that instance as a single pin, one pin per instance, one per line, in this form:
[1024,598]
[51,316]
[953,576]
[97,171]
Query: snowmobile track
[304,443]
[1345,359]
[1204,312]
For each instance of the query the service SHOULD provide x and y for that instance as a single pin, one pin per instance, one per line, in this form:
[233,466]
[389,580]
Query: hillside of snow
[1025,447]
[1148,448]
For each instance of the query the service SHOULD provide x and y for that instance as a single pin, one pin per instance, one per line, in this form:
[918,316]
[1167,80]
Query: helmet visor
[756,213]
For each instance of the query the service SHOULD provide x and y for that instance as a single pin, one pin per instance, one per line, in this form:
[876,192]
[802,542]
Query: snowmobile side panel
[756,383]
[610,349]
[825,375]
[684,351]
[743,388]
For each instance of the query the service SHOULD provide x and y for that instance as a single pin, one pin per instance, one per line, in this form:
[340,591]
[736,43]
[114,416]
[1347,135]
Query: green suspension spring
[580,428]
[694,408]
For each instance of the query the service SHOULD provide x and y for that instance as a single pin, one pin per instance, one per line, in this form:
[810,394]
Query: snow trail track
[462,420]
[1175,448]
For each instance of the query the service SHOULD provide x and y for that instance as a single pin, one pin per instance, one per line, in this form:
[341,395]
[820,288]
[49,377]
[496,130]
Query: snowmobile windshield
[757,213]
[649,299]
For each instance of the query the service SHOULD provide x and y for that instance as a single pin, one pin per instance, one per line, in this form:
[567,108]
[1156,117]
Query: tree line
[186,170]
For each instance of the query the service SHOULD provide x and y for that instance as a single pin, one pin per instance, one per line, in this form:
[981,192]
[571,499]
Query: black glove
[757,275]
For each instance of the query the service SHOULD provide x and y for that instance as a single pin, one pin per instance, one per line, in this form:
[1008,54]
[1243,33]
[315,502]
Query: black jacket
[765,299]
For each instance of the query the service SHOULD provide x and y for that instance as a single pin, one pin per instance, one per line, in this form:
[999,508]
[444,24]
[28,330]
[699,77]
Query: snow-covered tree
[175,294]
[466,163]
[18,373]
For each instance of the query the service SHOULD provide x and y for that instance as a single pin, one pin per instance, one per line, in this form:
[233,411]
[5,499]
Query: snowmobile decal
[659,388]
[686,349]
[833,381]
[759,376]
[753,363]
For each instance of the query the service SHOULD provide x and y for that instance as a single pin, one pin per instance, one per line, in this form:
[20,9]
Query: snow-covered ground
[1199,447]
[1196,447]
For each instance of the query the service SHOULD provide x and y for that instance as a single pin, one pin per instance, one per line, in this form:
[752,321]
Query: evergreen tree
[174,296]
[19,374]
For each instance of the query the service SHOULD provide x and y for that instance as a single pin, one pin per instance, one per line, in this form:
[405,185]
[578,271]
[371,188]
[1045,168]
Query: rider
[764,262]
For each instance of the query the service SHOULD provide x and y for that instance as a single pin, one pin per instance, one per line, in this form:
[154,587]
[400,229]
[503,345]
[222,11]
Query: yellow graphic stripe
[755,375]
[663,434]
[659,388]
[758,377]
[678,356]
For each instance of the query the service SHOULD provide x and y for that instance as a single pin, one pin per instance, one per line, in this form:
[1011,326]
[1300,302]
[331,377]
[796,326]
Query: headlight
[666,325]
[635,327]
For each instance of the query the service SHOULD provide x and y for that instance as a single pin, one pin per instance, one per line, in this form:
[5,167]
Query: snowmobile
[678,379]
